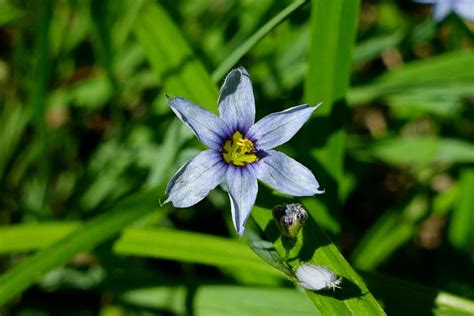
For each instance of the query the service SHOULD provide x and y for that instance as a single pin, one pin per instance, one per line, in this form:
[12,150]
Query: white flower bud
[314,277]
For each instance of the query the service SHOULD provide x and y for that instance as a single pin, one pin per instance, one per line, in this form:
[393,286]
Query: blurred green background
[88,143]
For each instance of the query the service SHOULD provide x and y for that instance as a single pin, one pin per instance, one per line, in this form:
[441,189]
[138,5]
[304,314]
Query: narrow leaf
[327,78]
[223,300]
[313,246]
[406,298]
[190,247]
[26,237]
[461,229]
[172,58]
[449,67]
[87,237]
[238,53]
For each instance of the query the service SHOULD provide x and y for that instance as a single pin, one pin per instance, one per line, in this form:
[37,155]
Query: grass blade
[87,237]
[238,53]
[26,237]
[312,245]
[329,63]
[182,246]
[449,67]
[406,298]
[394,229]
[182,73]
[223,300]
[461,232]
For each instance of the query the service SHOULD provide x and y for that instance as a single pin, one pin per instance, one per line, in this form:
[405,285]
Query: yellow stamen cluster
[238,150]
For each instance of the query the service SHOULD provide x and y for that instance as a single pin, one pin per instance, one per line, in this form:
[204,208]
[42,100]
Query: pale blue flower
[441,8]
[240,151]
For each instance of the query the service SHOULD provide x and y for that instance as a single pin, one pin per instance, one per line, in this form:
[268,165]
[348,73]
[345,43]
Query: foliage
[88,143]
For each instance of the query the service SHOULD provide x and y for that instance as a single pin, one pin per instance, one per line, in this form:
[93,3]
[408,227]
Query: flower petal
[208,127]
[279,127]
[236,101]
[193,181]
[242,188]
[465,9]
[286,175]
[441,9]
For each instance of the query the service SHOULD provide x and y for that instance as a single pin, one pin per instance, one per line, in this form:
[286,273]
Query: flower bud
[314,277]
[290,218]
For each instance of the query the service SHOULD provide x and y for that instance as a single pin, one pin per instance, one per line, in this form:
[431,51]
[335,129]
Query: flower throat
[238,150]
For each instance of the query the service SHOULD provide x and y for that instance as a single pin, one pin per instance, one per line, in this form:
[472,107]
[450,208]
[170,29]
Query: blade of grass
[26,237]
[190,247]
[449,67]
[9,13]
[238,53]
[41,66]
[461,233]
[13,121]
[422,151]
[87,237]
[172,58]
[329,56]
[313,245]
[400,297]
[327,78]
[223,300]
[388,234]
[102,42]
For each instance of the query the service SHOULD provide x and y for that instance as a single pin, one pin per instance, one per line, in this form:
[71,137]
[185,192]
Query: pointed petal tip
[170,98]
[168,200]
[312,107]
[320,191]
[317,190]
[240,231]
[243,71]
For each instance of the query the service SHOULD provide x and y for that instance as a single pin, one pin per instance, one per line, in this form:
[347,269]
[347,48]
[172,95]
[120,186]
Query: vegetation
[88,144]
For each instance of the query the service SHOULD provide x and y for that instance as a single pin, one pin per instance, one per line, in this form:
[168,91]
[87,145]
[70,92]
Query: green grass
[88,143]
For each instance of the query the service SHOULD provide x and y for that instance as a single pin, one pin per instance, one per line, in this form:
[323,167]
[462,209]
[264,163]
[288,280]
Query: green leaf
[449,67]
[85,238]
[41,68]
[220,300]
[243,48]
[26,237]
[313,246]
[265,250]
[329,58]
[9,13]
[190,247]
[327,79]
[461,228]
[175,136]
[13,120]
[374,46]
[172,58]
[443,99]
[423,150]
[406,298]
[391,231]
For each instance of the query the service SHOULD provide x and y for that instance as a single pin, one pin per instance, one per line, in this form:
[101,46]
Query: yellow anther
[245,144]
[238,150]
